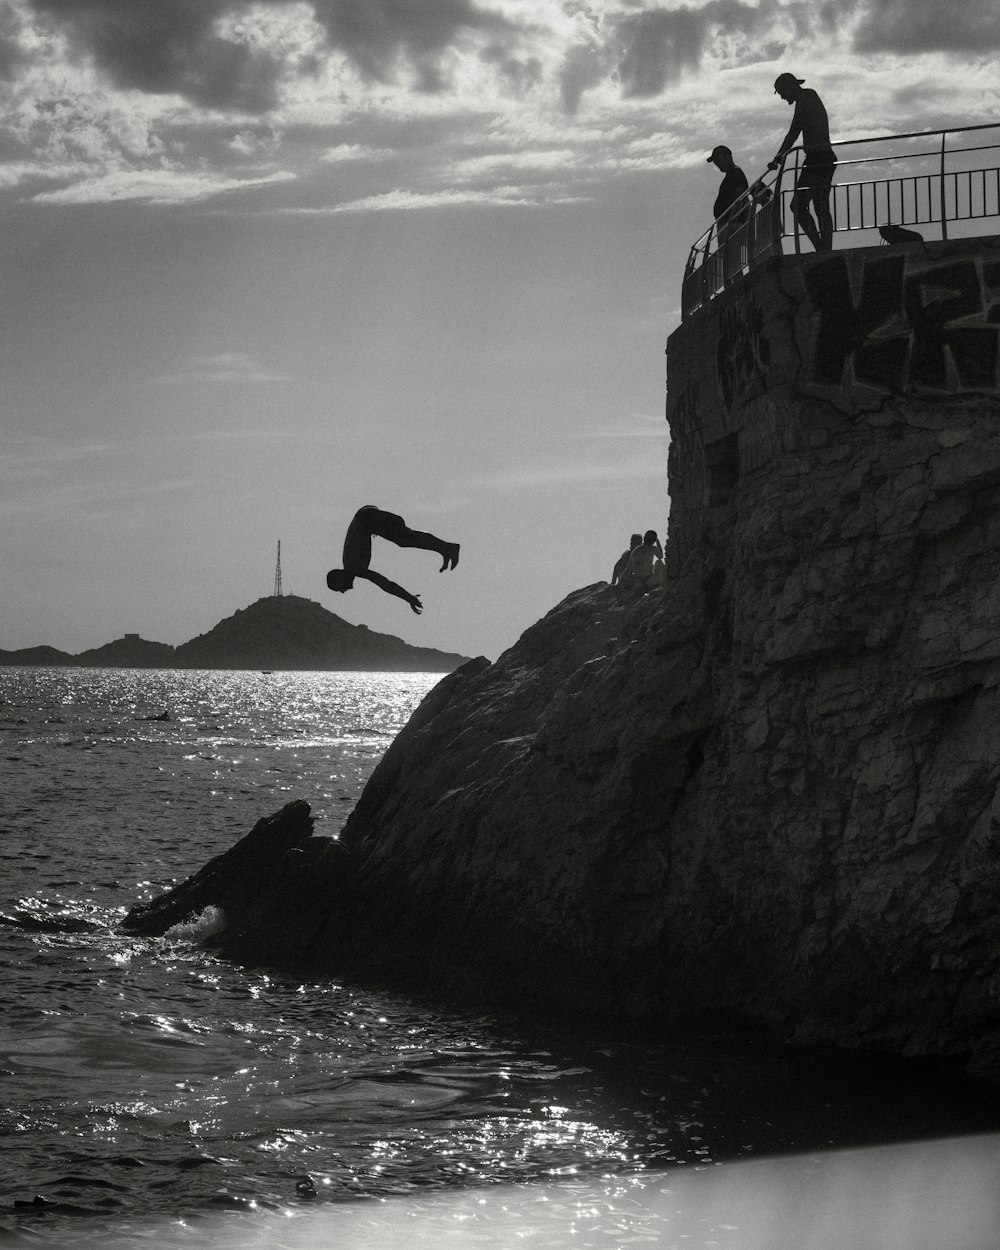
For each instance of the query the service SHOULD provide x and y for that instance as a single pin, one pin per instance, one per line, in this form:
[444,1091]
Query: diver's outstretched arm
[392,588]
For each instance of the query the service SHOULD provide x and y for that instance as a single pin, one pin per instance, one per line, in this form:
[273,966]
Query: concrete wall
[756,373]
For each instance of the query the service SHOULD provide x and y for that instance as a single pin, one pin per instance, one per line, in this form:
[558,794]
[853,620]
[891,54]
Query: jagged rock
[773,790]
[261,885]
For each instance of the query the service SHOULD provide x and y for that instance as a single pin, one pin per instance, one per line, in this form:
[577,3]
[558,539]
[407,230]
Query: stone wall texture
[770,792]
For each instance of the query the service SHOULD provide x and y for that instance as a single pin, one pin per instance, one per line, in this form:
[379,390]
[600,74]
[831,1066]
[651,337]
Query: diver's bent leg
[405,537]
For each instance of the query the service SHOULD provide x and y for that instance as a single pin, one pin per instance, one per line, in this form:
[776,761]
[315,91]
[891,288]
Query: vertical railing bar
[944,221]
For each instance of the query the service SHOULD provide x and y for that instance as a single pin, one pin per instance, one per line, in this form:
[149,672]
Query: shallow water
[147,1084]
[940,1195]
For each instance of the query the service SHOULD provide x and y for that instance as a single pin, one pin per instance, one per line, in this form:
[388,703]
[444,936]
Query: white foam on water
[933,1195]
[208,922]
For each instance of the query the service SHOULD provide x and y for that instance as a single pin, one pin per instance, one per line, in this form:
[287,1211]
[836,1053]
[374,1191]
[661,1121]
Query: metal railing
[924,185]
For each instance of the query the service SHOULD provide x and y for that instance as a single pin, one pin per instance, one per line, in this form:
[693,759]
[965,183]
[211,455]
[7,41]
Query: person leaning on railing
[734,181]
[726,210]
[819,163]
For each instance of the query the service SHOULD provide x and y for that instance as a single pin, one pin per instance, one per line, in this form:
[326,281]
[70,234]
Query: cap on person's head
[721,150]
[787,80]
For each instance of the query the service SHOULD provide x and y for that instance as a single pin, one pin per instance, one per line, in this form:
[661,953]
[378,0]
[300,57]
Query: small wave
[34,922]
[207,923]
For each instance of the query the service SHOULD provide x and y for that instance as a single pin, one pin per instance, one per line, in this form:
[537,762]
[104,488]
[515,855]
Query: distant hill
[128,652]
[44,656]
[280,633]
[294,633]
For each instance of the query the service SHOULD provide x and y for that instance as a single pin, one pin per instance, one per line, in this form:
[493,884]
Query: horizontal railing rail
[936,186]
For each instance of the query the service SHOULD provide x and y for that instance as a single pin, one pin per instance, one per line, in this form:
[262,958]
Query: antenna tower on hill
[277,574]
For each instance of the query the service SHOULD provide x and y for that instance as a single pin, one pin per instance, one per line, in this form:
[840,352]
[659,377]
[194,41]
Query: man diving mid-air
[358,551]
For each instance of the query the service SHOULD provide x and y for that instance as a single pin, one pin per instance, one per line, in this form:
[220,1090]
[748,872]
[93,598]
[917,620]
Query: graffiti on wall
[682,404]
[743,353]
[906,323]
[683,409]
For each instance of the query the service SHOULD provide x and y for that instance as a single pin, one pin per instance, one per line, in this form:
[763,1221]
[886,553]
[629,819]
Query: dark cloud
[168,46]
[377,34]
[908,26]
[584,66]
[657,46]
[173,45]
[518,74]
[11,55]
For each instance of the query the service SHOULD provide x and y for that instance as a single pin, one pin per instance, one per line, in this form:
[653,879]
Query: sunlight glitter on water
[150,1085]
[937,1195]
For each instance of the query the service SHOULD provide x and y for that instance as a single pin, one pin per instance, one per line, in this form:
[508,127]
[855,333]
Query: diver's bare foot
[450,557]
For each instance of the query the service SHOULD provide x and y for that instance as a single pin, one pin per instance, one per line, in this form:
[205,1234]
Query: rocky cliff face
[774,789]
[771,791]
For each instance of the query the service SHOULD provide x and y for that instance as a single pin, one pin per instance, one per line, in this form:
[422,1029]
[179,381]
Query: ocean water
[154,1094]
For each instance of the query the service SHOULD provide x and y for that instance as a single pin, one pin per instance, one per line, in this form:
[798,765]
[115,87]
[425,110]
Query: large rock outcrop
[772,791]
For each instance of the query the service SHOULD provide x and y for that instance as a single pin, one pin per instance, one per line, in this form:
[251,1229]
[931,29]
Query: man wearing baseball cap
[734,181]
[819,162]
[726,211]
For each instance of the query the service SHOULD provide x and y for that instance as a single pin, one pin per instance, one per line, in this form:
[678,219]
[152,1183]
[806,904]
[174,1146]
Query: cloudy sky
[264,261]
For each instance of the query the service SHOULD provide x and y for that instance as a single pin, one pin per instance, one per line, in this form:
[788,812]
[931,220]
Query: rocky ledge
[770,792]
[771,796]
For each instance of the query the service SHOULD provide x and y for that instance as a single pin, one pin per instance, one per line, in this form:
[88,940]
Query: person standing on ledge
[728,218]
[734,180]
[819,163]
[369,521]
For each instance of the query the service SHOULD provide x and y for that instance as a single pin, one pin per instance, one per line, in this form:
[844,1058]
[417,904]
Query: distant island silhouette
[279,632]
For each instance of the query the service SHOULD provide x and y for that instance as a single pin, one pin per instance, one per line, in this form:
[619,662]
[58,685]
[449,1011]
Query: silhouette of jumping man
[819,163]
[369,521]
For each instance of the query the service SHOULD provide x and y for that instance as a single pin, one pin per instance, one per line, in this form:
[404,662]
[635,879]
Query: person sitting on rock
[621,564]
[369,521]
[645,566]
